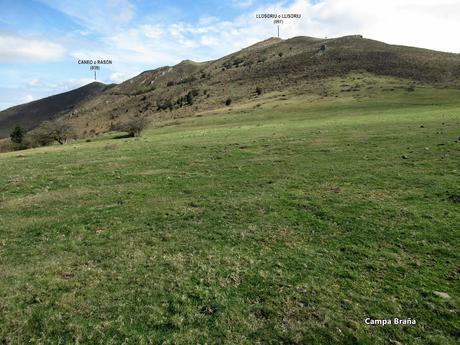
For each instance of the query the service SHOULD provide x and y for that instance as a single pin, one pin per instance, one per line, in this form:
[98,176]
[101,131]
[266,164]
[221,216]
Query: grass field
[288,222]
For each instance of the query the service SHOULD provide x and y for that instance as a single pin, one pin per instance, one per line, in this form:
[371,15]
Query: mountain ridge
[299,63]
[31,114]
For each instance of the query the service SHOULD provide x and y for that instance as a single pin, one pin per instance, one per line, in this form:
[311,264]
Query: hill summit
[300,64]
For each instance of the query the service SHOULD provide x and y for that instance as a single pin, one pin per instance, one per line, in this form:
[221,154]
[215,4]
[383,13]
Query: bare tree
[49,132]
[134,126]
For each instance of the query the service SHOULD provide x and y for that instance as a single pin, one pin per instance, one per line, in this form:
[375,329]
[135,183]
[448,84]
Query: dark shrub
[17,135]
[190,98]
[165,105]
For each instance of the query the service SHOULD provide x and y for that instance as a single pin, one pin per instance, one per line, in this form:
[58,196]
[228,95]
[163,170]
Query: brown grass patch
[42,198]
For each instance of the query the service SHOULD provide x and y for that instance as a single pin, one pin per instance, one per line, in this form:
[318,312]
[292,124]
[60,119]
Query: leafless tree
[134,126]
[52,131]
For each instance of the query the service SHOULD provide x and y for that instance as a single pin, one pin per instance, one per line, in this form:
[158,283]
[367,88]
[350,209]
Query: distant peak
[265,43]
[188,62]
[95,83]
[272,39]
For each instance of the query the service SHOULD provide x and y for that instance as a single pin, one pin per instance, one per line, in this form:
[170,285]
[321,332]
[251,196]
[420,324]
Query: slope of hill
[290,222]
[31,114]
[302,64]
[289,217]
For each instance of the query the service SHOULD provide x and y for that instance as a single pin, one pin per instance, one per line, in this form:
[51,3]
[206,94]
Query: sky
[41,41]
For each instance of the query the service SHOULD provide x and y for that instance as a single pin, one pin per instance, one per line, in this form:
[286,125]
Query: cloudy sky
[42,40]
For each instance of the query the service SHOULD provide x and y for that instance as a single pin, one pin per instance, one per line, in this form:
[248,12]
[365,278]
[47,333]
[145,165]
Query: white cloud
[27,99]
[242,3]
[207,20]
[125,10]
[152,31]
[99,16]
[69,84]
[119,77]
[34,82]
[14,48]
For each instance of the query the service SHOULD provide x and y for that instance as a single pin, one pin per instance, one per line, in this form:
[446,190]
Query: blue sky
[42,40]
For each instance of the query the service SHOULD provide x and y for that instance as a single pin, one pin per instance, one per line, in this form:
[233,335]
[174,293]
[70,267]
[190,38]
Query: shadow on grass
[123,136]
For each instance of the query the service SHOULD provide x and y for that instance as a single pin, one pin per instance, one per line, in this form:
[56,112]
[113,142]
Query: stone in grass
[346,303]
[208,310]
[443,295]
[454,198]
[405,157]
[67,275]
[395,342]
[352,325]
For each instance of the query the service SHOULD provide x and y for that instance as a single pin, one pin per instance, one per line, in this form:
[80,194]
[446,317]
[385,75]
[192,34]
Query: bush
[180,101]
[143,89]
[6,146]
[133,126]
[237,62]
[165,105]
[228,102]
[263,59]
[188,80]
[190,98]
[17,135]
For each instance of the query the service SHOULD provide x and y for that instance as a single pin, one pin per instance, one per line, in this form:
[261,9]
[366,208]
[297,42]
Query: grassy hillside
[299,64]
[288,219]
[296,65]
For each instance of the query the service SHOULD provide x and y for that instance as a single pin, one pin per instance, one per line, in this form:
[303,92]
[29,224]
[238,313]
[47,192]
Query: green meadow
[288,220]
